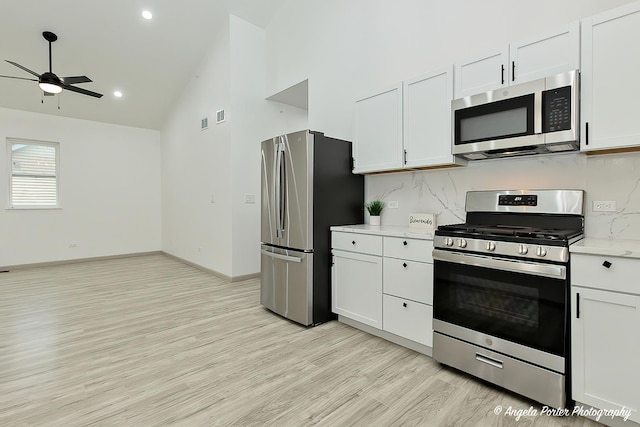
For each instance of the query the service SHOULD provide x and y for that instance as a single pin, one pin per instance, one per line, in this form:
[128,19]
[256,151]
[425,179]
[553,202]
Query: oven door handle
[516,266]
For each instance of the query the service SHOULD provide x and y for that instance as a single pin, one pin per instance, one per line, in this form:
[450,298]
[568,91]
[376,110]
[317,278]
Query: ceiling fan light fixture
[50,87]
[49,82]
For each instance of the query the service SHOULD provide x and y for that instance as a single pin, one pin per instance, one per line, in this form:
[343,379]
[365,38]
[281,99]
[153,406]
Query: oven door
[514,301]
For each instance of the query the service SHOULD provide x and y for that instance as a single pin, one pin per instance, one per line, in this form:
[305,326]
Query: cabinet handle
[405,243]
[404,304]
[607,264]
[353,242]
[405,157]
[578,305]
[513,71]
[404,264]
[586,133]
[502,75]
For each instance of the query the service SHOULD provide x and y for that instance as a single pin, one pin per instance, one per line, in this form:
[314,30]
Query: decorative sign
[423,221]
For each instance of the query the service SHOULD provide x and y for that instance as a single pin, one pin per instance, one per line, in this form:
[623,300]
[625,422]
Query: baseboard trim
[420,348]
[213,272]
[75,260]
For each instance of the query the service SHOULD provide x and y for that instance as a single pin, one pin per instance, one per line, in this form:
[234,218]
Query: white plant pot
[374,220]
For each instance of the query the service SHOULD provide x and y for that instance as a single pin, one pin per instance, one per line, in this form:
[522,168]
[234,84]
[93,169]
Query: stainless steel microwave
[537,117]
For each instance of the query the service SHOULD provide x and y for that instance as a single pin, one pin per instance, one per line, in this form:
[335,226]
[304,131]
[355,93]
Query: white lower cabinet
[408,319]
[604,337]
[384,282]
[356,287]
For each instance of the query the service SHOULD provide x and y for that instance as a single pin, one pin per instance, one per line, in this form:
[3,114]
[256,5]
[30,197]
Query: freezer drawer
[287,283]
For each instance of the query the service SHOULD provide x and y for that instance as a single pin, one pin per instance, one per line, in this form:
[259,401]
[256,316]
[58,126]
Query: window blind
[34,174]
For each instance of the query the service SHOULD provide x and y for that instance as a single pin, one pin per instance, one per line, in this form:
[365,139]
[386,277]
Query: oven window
[523,308]
[504,302]
[495,120]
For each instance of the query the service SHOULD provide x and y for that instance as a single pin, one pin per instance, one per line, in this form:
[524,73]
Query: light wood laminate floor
[147,341]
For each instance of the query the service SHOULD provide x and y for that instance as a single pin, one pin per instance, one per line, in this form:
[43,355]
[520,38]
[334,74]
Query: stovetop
[525,234]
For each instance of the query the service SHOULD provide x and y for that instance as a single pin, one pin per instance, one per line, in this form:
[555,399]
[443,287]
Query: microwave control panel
[556,109]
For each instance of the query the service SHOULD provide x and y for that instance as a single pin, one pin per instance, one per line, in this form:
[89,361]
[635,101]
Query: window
[33,181]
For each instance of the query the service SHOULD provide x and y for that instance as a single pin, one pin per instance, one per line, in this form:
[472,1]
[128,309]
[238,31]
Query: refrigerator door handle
[278,186]
[282,257]
[282,189]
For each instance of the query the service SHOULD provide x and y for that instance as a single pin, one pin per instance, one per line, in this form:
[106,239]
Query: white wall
[109,191]
[223,161]
[347,49]
[196,166]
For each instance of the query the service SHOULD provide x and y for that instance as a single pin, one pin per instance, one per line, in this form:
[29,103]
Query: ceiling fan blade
[20,78]
[82,91]
[48,93]
[23,68]
[75,79]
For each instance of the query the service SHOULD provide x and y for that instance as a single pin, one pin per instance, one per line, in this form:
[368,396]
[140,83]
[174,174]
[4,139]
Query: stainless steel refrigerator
[307,186]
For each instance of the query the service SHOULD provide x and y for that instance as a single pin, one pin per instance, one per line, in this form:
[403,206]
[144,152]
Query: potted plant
[375,209]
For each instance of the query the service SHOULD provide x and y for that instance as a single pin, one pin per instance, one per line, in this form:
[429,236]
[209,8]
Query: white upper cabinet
[532,58]
[427,119]
[482,73]
[378,131]
[610,70]
[407,126]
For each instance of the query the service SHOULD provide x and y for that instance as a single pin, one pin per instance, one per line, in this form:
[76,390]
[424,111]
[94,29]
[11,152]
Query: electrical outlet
[250,199]
[393,204]
[604,206]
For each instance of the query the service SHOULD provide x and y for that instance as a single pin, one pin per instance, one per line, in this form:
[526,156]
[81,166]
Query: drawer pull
[488,360]
[405,243]
[404,304]
[404,264]
[353,242]
[606,264]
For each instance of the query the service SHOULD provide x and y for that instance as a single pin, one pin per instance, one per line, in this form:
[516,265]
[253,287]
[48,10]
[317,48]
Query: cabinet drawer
[408,319]
[354,242]
[408,279]
[621,276]
[411,249]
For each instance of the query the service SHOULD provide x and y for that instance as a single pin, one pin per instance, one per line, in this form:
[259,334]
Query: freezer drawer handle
[282,257]
[488,360]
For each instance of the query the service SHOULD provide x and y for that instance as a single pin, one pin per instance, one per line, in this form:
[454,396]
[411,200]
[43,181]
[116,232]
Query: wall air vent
[220,116]
[204,123]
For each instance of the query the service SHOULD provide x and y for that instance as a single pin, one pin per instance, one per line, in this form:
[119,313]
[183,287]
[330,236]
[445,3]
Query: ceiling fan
[49,82]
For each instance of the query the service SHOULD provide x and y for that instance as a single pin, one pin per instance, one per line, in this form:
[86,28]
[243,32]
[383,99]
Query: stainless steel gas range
[501,290]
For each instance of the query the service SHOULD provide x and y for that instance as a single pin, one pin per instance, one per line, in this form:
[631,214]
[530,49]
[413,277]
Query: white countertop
[384,230]
[621,248]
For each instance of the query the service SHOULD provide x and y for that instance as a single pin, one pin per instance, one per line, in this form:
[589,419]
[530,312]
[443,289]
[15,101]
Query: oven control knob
[540,251]
[462,243]
[448,241]
[491,246]
[522,249]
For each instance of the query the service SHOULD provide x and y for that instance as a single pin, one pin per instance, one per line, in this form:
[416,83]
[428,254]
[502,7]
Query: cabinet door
[427,119]
[610,70]
[482,73]
[378,132]
[544,55]
[356,287]
[605,346]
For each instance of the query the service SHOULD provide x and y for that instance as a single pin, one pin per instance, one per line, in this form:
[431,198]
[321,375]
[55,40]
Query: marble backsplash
[612,177]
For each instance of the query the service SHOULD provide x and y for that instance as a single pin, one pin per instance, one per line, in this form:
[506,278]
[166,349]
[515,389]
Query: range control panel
[518,200]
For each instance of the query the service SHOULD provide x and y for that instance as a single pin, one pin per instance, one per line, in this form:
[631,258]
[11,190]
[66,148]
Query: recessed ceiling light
[117,94]
[146,14]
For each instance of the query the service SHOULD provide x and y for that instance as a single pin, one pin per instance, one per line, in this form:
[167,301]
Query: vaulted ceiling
[150,62]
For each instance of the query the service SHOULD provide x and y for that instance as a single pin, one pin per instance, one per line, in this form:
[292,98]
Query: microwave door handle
[537,113]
